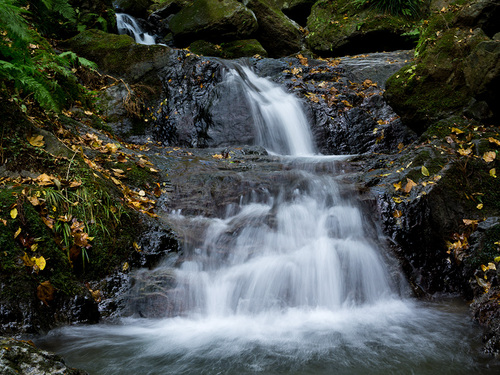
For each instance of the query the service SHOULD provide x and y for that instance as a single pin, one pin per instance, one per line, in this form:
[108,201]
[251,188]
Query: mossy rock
[297,10]
[212,20]
[339,28]
[119,55]
[277,33]
[434,87]
[229,50]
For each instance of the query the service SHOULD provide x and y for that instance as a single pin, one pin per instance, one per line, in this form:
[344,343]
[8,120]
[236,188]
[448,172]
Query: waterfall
[290,281]
[128,25]
[280,122]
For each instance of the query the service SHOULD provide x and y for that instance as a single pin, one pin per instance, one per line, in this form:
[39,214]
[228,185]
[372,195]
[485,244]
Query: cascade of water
[127,24]
[288,283]
[279,120]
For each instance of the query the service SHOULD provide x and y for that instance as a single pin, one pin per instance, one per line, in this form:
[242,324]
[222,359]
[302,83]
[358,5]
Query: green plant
[28,62]
[407,8]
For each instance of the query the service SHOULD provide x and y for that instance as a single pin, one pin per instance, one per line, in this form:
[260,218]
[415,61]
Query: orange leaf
[409,185]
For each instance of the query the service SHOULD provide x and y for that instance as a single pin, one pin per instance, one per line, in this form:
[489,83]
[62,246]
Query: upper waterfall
[128,25]
[279,119]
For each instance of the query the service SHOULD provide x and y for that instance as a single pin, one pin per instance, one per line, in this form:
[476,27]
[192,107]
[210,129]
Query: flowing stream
[290,281]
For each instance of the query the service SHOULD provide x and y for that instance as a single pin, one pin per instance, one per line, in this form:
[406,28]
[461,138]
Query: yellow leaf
[456,131]
[484,268]
[470,222]
[397,214]
[397,199]
[136,247]
[425,171]
[492,266]
[17,232]
[13,213]
[409,185]
[489,156]
[465,151]
[36,141]
[480,206]
[493,140]
[375,130]
[397,186]
[117,182]
[497,259]
[125,266]
[112,147]
[493,173]
[40,262]
[34,247]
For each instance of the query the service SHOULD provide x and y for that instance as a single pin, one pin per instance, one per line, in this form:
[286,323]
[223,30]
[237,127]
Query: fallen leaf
[480,206]
[112,147]
[136,247]
[45,292]
[397,214]
[5,222]
[470,222]
[465,151]
[44,180]
[425,171]
[13,213]
[397,199]
[493,140]
[397,186]
[409,185]
[36,141]
[456,131]
[489,156]
[493,173]
[125,266]
[17,232]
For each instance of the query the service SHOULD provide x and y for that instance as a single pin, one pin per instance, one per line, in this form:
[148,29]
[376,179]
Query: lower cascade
[293,280]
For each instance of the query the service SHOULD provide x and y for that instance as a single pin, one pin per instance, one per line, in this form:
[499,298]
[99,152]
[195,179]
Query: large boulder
[120,56]
[277,33]
[212,20]
[455,73]
[338,28]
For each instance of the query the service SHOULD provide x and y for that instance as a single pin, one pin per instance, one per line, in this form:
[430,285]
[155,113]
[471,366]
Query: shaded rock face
[483,14]
[276,32]
[136,8]
[338,28]
[21,357]
[229,50]
[31,316]
[212,20]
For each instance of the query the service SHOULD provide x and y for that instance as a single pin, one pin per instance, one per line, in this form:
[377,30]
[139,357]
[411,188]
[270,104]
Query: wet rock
[154,245]
[212,20]
[276,32]
[481,13]
[22,357]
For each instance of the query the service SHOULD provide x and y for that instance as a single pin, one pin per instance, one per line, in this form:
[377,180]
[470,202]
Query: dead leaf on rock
[489,156]
[45,292]
[409,185]
[36,141]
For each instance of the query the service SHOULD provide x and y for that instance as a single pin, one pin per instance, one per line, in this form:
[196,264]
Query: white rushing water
[292,283]
[281,124]
[128,25]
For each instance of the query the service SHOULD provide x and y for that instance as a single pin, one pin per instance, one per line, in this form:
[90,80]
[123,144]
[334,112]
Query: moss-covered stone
[277,33]
[337,28]
[119,55]
[229,50]
[212,20]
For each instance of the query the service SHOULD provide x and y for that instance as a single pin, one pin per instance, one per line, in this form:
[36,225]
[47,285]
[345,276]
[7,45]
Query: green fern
[29,63]
[60,6]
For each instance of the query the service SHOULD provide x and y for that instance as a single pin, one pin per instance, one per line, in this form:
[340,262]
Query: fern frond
[12,22]
[62,7]
[74,59]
